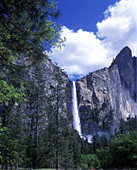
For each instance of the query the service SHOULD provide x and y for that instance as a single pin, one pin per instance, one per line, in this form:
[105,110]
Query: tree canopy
[26,28]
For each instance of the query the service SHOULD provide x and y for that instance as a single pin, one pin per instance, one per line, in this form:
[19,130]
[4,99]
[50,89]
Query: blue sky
[84,14]
[95,32]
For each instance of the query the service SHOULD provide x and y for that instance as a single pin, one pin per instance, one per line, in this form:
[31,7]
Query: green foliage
[26,26]
[8,148]
[8,92]
[124,151]
[121,152]
[104,157]
[129,125]
[90,161]
[26,30]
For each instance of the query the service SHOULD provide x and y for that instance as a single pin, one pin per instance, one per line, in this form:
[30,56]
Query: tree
[120,153]
[122,126]
[25,29]
[57,113]
[131,123]
[96,142]
[35,113]
[124,151]
[48,132]
[90,161]
[26,34]
[103,141]
[8,149]
[104,157]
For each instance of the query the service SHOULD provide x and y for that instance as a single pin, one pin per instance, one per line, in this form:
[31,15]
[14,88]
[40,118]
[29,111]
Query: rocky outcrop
[55,82]
[104,96]
[107,95]
[47,89]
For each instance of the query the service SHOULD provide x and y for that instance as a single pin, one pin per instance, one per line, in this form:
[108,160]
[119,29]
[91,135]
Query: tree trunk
[7,166]
[17,167]
[57,133]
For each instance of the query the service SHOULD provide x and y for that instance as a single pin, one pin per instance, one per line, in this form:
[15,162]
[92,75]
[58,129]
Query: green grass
[32,169]
[36,169]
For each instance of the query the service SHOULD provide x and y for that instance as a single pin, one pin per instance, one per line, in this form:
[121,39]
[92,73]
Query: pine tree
[35,112]
[57,118]
[26,30]
[96,142]
[26,26]
[8,149]
[103,141]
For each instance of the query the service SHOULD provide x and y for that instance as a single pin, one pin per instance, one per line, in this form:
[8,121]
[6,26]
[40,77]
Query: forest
[36,128]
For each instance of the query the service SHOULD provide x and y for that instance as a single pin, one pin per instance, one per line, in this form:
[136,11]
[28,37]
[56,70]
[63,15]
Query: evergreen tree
[96,142]
[122,126]
[57,114]
[25,29]
[120,153]
[8,149]
[35,113]
[26,26]
[103,141]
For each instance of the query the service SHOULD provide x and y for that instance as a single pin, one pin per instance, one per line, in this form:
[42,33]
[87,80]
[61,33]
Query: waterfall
[76,118]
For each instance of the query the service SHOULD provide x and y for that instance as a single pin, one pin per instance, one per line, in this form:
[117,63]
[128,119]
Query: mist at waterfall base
[76,117]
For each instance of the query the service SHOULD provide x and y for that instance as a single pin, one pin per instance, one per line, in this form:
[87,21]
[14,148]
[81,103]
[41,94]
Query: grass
[36,169]
[33,169]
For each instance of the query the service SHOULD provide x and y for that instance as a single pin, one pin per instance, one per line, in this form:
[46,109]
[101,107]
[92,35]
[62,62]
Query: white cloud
[85,52]
[119,28]
[82,53]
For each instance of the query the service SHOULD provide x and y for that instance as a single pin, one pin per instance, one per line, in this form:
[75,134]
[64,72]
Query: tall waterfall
[76,118]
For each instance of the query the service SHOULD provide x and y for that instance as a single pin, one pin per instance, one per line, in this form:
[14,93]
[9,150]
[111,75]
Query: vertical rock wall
[109,94]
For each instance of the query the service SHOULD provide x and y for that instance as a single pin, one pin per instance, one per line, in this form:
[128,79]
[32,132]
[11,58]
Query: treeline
[37,133]
[27,32]
[58,145]
[120,153]
[113,151]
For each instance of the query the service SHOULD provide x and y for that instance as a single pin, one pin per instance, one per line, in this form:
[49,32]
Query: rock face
[104,96]
[55,83]
[107,95]
[47,89]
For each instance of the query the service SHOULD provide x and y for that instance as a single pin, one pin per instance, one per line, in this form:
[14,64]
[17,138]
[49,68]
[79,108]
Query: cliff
[107,95]
[53,86]
[104,97]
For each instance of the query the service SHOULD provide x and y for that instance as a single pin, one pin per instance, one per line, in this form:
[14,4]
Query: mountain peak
[124,57]
[126,49]
[125,54]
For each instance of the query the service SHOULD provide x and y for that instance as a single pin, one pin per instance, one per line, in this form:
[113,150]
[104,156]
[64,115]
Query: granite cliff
[104,97]
[46,87]
[107,95]
[52,89]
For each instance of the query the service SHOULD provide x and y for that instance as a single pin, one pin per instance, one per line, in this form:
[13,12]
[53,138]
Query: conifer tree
[8,149]
[35,112]
[25,29]
[58,121]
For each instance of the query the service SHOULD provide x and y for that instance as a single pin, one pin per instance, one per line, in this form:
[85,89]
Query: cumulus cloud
[85,51]
[82,53]
[119,28]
